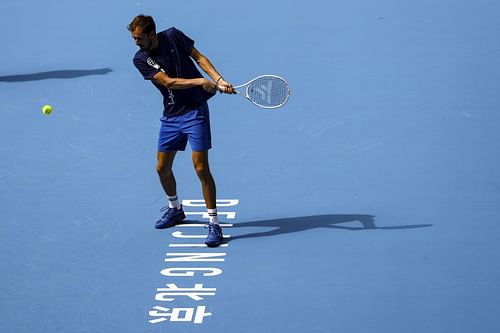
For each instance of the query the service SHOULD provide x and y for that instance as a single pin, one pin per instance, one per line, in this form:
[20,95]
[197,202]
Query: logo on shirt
[171,97]
[151,62]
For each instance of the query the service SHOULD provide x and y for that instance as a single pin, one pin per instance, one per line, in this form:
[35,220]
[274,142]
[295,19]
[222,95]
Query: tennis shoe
[171,217]
[215,236]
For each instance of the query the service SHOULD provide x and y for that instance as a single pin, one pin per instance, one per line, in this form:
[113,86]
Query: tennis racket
[265,91]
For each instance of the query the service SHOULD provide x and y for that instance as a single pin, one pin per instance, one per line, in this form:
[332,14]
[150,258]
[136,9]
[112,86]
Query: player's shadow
[60,74]
[356,222]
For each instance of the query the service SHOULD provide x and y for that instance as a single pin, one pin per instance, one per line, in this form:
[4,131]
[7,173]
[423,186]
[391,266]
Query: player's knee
[202,170]
[163,170]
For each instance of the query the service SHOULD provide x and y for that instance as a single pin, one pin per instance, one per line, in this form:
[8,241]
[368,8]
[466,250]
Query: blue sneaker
[171,217]
[214,237]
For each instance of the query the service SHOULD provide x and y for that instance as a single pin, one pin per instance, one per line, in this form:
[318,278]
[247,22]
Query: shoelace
[213,229]
[167,211]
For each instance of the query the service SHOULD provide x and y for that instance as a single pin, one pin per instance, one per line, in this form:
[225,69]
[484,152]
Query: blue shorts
[193,126]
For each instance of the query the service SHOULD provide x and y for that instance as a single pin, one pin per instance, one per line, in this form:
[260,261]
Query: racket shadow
[60,74]
[299,224]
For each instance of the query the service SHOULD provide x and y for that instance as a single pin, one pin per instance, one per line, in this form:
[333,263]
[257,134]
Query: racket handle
[223,91]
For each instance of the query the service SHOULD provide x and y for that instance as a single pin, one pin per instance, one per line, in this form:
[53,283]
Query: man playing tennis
[166,59]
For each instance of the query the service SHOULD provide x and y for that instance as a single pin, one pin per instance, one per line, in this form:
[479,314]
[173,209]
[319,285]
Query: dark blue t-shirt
[173,56]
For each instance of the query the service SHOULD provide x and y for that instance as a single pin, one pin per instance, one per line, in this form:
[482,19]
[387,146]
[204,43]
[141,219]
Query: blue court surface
[369,203]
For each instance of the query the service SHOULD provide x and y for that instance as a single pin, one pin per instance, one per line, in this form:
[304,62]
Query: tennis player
[168,60]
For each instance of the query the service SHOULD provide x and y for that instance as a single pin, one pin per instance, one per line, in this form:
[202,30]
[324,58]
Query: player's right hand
[225,87]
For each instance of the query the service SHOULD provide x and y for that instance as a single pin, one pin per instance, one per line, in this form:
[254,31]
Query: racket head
[268,91]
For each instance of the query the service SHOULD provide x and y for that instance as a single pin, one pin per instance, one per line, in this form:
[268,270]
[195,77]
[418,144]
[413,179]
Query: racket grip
[223,91]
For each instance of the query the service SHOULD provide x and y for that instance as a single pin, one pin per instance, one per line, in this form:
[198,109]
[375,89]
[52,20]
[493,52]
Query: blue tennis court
[370,202]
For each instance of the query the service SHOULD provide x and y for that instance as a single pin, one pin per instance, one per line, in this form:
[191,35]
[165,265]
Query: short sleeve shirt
[173,55]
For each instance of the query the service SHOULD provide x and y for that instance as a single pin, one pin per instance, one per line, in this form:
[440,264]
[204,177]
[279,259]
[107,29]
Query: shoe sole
[213,244]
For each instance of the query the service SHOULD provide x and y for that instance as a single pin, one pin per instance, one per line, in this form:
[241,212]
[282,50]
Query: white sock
[212,216]
[173,202]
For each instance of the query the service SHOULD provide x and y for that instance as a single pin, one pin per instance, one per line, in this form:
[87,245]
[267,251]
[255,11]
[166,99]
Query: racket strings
[268,91]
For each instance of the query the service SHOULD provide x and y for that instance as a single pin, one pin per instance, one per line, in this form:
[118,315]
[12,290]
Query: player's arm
[163,79]
[209,68]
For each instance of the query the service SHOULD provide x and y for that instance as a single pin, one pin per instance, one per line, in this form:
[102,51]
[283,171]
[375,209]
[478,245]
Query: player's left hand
[225,87]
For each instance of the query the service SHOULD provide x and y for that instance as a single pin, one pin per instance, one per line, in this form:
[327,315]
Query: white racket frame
[247,95]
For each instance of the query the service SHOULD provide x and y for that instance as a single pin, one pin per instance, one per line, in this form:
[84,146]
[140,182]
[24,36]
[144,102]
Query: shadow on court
[298,224]
[60,74]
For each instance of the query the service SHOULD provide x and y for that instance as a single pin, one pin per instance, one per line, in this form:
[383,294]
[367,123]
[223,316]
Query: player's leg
[197,127]
[201,165]
[164,163]
[171,139]
[198,131]
[174,212]
[202,168]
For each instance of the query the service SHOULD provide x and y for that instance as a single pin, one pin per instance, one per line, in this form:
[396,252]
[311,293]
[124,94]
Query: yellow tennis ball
[47,109]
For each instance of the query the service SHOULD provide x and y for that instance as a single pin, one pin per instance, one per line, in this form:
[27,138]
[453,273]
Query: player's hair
[146,23]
